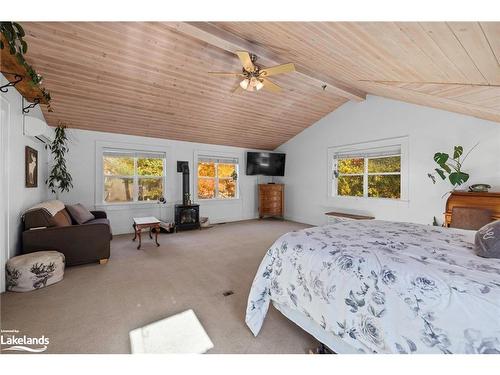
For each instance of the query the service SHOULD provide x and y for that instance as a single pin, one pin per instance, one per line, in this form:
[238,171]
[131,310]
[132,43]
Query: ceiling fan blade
[270,85]
[278,69]
[246,60]
[236,89]
[226,74]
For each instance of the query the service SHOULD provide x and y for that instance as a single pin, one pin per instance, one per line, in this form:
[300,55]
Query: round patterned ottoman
[34,270]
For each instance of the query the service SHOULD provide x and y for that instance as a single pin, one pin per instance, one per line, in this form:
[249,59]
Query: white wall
[83,164]
[429,131]
[15,196]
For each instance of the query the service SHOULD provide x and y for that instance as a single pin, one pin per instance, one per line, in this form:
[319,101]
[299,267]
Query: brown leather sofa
[80,244]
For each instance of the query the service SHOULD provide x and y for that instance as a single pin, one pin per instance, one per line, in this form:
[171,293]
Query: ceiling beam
[227,41]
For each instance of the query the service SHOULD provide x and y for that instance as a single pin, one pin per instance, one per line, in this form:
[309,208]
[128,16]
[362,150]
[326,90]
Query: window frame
[400,142]
[135,177]
[197,160]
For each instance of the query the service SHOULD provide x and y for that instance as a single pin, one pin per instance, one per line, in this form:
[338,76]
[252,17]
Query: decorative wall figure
[31,167]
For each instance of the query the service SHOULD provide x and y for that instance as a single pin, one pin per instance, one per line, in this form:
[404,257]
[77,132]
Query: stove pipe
[183,167]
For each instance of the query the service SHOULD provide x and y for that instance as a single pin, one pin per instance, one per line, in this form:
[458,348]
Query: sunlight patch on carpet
[181,333]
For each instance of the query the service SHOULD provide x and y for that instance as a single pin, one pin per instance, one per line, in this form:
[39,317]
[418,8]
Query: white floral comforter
[385,287]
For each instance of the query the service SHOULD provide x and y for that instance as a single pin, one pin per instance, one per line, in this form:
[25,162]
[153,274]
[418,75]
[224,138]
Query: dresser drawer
[272,194]
[268,188]
[271,205]
[273,198]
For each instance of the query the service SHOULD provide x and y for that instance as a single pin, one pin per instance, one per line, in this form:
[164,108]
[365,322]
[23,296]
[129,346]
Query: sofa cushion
[40,215]
[79,213]
[487,241]
[61,219]
[97,221]
[100,221]
[37,218]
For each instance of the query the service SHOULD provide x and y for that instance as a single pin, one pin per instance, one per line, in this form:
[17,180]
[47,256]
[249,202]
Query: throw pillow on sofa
[79,213]
[61,219]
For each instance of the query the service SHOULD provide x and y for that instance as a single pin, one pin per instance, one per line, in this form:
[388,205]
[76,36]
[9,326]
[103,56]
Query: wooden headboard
[490,201]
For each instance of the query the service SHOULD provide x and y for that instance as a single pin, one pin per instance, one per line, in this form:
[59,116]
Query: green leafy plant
[14,35]
[451,167]
[59,178]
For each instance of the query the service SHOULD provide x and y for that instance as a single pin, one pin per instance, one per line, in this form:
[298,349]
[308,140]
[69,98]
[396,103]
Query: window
[372,173]
[217,178]
[133,176]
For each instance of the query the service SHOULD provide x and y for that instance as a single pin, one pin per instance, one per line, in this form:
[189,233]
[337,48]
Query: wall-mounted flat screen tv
[266,163]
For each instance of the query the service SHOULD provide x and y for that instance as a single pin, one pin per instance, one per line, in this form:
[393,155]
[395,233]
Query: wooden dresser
[475,200]
[271,200]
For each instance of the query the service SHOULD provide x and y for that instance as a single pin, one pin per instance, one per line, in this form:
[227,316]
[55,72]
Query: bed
[382,287]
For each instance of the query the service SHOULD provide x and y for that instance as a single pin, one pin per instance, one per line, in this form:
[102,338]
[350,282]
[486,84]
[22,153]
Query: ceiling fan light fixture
[245,83]
[251,84]
[255,77]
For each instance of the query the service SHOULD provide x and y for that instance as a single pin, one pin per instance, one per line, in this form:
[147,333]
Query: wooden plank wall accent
[147,79]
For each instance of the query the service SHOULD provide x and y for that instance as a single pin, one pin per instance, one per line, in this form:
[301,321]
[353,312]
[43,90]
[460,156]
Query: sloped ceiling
[151,79]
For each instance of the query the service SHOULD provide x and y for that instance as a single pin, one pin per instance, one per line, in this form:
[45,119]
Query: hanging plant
[59,178]
[14,35]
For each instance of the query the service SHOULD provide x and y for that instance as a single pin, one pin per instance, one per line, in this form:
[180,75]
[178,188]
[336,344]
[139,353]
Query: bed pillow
[487,240]
[79,213]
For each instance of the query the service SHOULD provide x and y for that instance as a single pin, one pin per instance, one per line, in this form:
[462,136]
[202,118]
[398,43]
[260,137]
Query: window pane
[150,189]
[384,186]
[150,167]
[226,170]
[350,186]
[206,188]
[206,169]
[227,188]
[118,166]
[381,165]
[351,166]
[118,189]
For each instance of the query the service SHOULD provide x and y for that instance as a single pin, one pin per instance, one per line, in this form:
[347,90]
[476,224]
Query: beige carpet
[95,306]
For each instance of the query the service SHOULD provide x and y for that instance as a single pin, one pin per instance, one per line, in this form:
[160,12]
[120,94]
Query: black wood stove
[187,215]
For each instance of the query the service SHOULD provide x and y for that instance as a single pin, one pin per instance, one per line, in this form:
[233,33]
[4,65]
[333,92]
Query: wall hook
[17,79]
[27,108]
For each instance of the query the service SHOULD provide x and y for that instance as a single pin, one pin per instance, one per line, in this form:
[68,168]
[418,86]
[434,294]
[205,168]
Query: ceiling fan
[255,77]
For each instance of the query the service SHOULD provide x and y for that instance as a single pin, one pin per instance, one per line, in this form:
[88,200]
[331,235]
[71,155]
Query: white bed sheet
[384,287]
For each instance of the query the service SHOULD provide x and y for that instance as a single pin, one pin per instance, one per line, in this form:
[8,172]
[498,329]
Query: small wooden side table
[342,216]
[146,222]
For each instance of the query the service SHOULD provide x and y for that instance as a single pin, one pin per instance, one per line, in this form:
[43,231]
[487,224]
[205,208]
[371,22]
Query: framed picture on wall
[31,167]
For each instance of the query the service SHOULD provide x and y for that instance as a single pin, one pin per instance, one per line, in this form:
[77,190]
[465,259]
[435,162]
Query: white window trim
[102,146]
[200,153]
[401,142]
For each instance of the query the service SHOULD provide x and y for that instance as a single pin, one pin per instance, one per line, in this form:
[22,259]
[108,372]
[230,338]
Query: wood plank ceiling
[151,79]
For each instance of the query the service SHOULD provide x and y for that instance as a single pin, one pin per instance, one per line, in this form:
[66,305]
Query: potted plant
[451,167]
[59,178]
